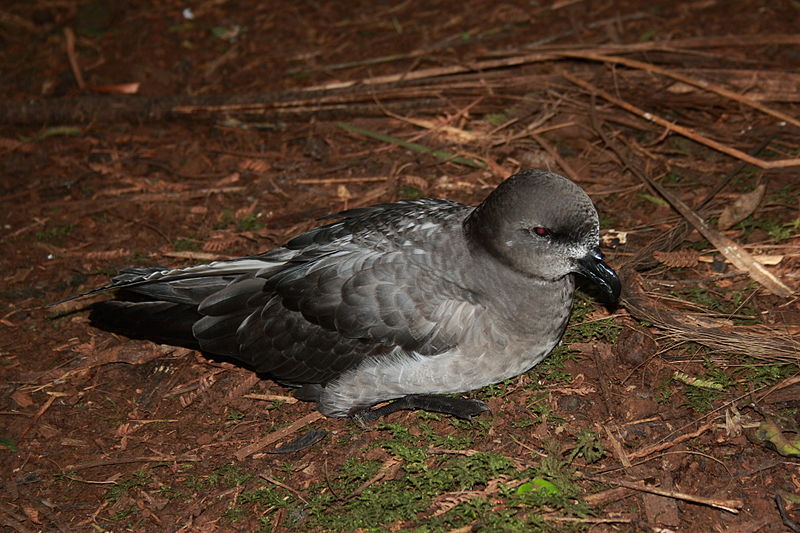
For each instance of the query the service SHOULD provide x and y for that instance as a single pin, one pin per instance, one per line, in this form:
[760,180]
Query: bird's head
[544,226]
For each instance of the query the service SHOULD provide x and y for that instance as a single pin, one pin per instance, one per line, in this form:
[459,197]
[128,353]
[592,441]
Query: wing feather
[330,298]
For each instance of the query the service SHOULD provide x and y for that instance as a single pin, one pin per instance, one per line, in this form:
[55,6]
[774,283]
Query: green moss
[249,223]
[777,230]
[227,475]
[56,234]
[228,220]
[187,245]
[140,478]
[407,192]
[785,195]
[589,446]
[738,302]
[759,374]
[353,499]
[701,391]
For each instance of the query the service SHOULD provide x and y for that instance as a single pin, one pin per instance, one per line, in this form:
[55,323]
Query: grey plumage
[415,297]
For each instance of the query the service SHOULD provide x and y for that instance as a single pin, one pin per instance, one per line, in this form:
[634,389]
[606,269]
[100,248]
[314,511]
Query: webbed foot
[463,408]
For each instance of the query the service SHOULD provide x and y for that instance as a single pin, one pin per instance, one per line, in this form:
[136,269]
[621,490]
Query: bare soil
[104,433]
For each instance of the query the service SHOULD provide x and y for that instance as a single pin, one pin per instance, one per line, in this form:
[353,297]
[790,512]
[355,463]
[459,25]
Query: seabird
[404,301]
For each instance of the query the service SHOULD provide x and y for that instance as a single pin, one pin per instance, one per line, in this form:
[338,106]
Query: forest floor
[163,133]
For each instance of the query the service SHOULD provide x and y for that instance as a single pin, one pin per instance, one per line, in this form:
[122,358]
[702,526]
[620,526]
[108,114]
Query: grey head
[543,226]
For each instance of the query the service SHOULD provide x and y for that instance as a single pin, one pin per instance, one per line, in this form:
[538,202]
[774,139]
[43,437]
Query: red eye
[541,232]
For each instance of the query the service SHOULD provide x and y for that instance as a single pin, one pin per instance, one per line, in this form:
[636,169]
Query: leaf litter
[165,438]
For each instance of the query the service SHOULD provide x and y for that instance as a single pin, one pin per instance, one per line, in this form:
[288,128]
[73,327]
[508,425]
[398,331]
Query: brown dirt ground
[98,429]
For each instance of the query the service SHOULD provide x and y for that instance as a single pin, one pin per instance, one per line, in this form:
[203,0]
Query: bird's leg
[463,408]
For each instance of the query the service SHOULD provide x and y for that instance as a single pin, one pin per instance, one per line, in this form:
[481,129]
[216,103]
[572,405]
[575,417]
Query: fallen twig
[388,471]
[758,341]
[682,130]
[439,154]
[299,496]
[43,410]
[737,255]
[554,52]
[69,38]
[271,398]
[328,181]
[731,506]
[788,382]
[617,447]
[588,520]
[702,84]
[551,150]
[127,460]
[277,435]
[734,253]
[643,452]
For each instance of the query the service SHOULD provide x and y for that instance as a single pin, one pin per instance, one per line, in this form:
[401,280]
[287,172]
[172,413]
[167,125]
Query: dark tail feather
[163,322]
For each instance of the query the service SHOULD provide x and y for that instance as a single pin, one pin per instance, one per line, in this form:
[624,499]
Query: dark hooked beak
[598,272]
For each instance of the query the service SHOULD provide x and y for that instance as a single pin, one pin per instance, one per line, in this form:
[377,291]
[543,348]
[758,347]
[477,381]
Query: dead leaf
[416,182]
[733,422]
[254,165]
[343,193]
[104,255]
[678,258]
[119,88]
[22,399]
[741,208]
[222,241]
[612,238]
[448,500]
[738,256]
[32,514]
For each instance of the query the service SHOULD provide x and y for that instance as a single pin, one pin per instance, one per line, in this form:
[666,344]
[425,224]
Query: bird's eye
[540,231]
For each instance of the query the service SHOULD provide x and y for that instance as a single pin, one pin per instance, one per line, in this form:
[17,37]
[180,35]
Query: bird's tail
[159,321]
[151,304]
[165,305]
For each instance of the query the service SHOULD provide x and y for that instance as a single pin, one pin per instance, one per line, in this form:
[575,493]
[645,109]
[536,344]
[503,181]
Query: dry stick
[283,486]
[127,460]
[451,42]
[686,132]
[644,452]
[669,240]
[701,84]
[617,447]
[579,520]
[600,498]
[415,147]
[547,54]
[734,253]
[788,382]
[277,435]
[271,398]
[42,410]
[732,506]
[435,72]
[69,37]
[551,150]
[11,19]
[679,45]
[325,181]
